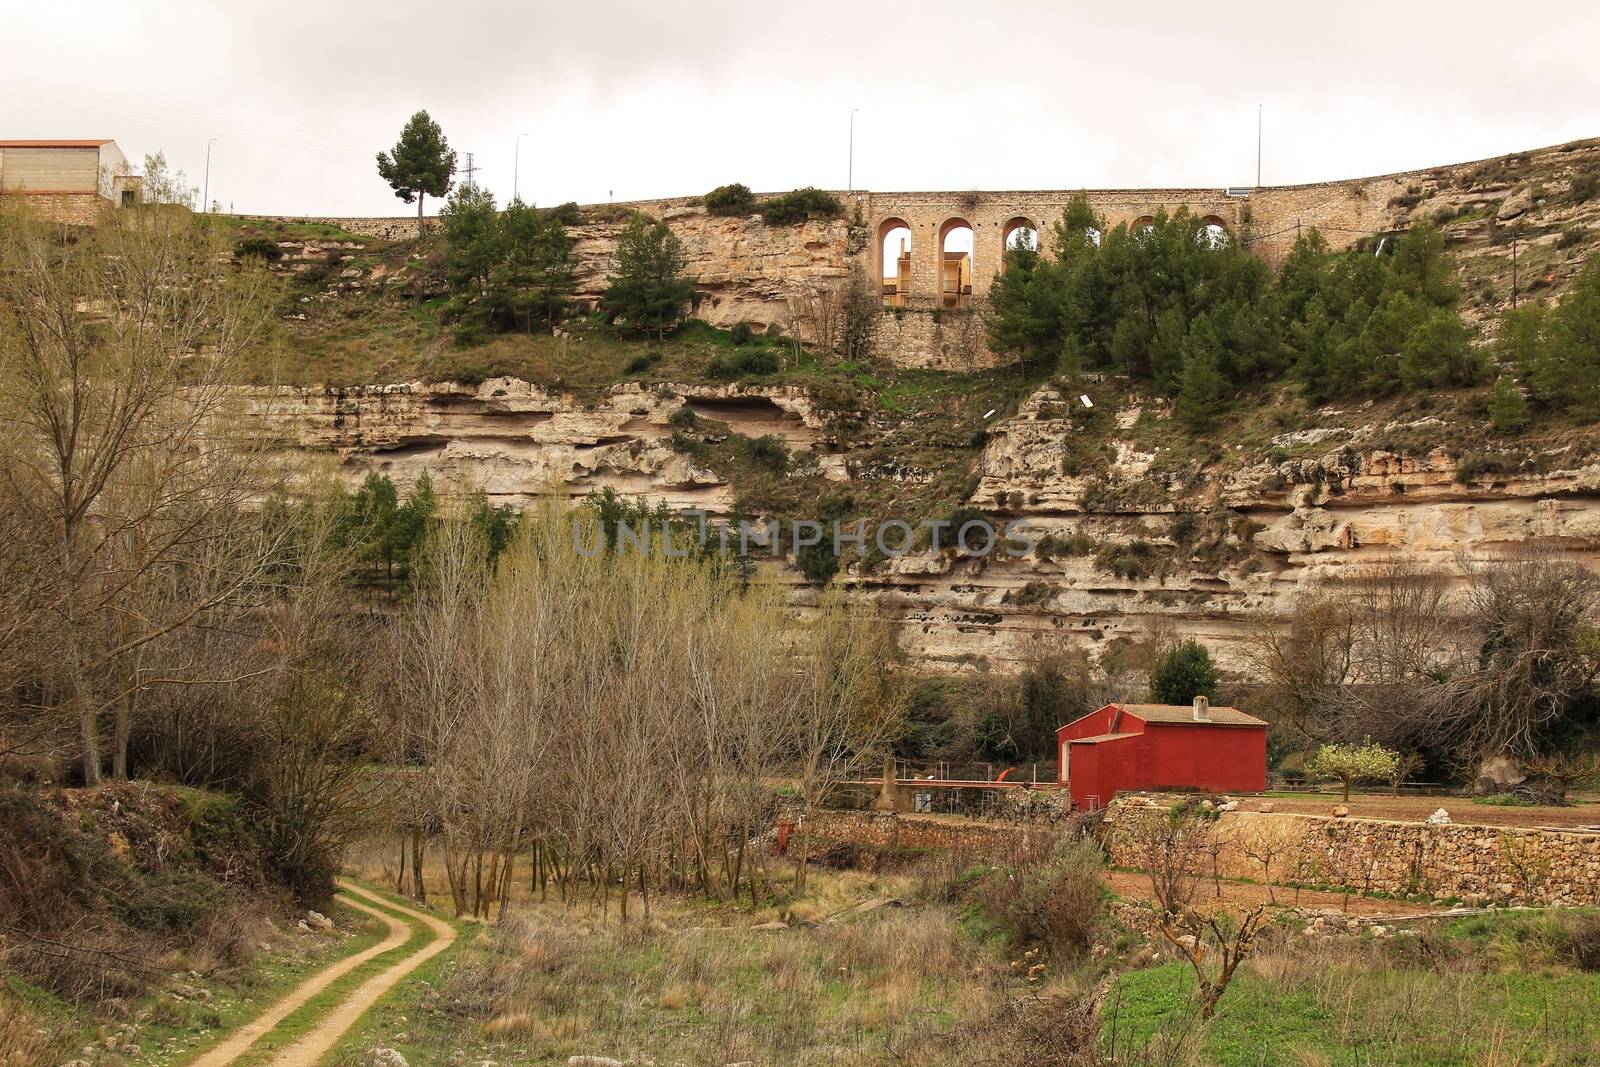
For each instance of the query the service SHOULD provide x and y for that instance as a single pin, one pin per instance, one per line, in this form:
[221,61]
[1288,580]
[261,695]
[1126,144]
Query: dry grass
[25,1039]
[700,985]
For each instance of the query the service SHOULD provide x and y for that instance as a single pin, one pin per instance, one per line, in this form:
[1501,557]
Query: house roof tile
[1183,713]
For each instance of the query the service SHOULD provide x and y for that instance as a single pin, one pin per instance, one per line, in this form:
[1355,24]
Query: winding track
[336,1021]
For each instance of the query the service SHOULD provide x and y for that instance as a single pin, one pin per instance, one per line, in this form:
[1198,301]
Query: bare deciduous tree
[846,706]
[618,717]
[121,449]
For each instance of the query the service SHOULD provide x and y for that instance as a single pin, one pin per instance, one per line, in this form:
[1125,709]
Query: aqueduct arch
[893,271]
[957,250]
[919,224]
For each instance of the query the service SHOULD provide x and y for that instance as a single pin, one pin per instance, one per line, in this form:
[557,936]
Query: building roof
[56,144]
[1184,713]
[1098,738]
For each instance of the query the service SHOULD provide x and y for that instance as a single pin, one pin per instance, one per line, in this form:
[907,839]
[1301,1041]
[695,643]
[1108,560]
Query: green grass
[1504,800]
[1500,994]
[282,229]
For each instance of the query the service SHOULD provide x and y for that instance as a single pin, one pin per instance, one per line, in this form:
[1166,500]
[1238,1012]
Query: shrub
[638,365]
[1053,904]
[1050,545]
[734,199]
[799,206]
[1572,235]
[568,214]
[742,333]
[1128,560]
[1035,592]
[1584,944]
[1474,466]
[747,361]
[683,418]
[769,451]
[263,248]
[1585,185]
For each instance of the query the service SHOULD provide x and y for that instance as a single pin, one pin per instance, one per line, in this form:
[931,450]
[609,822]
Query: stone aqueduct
[993,217]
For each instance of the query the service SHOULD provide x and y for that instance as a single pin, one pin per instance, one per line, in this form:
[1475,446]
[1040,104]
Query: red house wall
[1101,768]
[1090,725]
[1096,722]
[1220,758]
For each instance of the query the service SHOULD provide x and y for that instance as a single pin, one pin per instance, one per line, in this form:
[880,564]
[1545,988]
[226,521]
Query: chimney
[1202,709]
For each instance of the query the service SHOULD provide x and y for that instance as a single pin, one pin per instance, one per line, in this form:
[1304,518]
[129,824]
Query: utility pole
[850,179]
[1514,269]
[1258,145]
[206,196]
[470,169]
[516,168]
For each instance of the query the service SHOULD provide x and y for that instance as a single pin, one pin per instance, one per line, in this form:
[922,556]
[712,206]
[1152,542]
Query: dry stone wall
[1479,865]
[71,209]
[1475,864]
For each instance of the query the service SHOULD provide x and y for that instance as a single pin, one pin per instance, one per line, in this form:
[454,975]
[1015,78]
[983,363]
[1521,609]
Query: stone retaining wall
[1476,864]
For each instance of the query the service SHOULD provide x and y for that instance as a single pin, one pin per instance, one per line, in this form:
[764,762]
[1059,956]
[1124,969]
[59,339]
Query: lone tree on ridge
[421,163]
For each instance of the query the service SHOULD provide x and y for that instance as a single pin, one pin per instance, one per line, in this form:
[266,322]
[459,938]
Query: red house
[1161,746]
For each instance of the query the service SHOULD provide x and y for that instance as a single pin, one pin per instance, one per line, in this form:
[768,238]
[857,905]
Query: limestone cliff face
[744,271]
[1219,542]
[517,441]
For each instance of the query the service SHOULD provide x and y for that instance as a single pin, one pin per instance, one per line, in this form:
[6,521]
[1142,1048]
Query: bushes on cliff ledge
[729,200]
[800,206]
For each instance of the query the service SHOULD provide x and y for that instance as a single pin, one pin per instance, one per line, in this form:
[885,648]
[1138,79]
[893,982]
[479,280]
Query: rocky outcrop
[517,441]
[1215,544]
[744,271]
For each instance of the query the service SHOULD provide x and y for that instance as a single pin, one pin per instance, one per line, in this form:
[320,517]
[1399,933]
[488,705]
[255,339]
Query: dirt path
[332,1026]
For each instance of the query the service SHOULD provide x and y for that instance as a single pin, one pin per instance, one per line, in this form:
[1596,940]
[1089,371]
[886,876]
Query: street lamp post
[516,168]
[850,178]
[206,207]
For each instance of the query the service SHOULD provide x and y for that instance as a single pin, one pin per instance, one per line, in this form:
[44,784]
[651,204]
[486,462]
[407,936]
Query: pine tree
[1508,409]
[1437,352]
[1182,674]
[648,292]
[1575,342]
[1422,270]
[420,165]
[534,279]
[1201,388]
[473,242]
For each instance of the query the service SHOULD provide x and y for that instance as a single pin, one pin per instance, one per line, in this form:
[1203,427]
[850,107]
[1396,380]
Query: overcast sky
[672,97]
